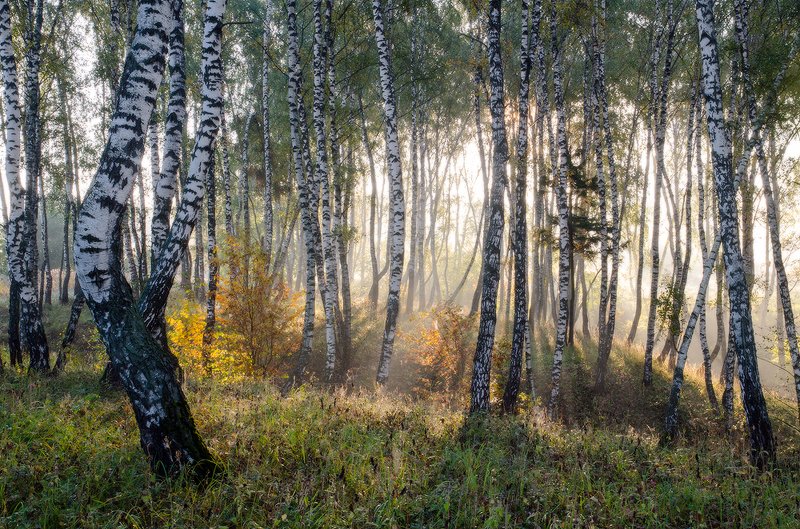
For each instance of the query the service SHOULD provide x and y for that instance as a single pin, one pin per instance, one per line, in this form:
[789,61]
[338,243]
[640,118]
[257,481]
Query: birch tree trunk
[373,206]
[152,304]
[145,367]
[397,206]
[742,32]
[520,235]
[213,266]
[701,235]
[762,442]
[310,228]
[563,216]
[660,115]
[482,363]
[266,244]
[24,312]
[330,298]
[167,179]
[69,206]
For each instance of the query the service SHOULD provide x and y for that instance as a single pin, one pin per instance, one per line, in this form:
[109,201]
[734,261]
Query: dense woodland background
[402,262]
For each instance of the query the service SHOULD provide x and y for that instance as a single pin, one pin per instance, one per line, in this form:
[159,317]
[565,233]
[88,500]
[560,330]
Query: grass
[71,458]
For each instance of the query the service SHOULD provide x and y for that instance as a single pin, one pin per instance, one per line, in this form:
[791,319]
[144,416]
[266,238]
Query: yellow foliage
[259,321]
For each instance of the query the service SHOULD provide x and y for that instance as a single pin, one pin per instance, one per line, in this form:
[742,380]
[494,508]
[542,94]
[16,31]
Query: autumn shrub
[261,315]
[442,352]
[258,323]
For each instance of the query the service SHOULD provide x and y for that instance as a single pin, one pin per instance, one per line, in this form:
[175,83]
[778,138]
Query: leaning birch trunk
[742,33]
[152,304]
[330,298]
[762,442]
[482,362]
[520,235]
[167,178]
[397,218]
[146,369]
[29,318]
[701,235]
[563,218]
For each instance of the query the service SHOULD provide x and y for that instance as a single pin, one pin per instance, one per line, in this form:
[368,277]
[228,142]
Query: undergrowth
[359,458]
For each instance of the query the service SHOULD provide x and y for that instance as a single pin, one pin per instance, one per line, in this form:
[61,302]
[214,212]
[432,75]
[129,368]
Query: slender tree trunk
[226,171]
[762,442]
[266,244]
[701,235]
[563,217]
[477,82]
[342,188]
[304,192]
[69,206]
[482,362]
[24,311]
[373,201]
[47,272]
[213,266]
[660,118]
[167,178]
[330,298]
[397,206]
[520,235]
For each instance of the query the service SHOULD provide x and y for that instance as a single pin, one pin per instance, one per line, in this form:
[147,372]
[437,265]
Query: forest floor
[70,456]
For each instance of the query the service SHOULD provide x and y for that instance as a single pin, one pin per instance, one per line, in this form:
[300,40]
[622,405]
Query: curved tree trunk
[145,367]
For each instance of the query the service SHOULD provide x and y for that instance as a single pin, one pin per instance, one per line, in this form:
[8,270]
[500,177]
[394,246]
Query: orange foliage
[442,352]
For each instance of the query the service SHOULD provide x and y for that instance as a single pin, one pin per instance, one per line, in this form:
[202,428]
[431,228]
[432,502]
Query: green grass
[71,458]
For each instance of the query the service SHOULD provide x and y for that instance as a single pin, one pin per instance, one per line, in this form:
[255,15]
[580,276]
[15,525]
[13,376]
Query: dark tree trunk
[482,363]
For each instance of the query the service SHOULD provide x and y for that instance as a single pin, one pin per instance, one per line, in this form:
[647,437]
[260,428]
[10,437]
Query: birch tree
[520,240]
[742,32]
[482,362]
[167,178]
[397,219]
[762,442]
[563,215]
[145,367]
[17,235]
